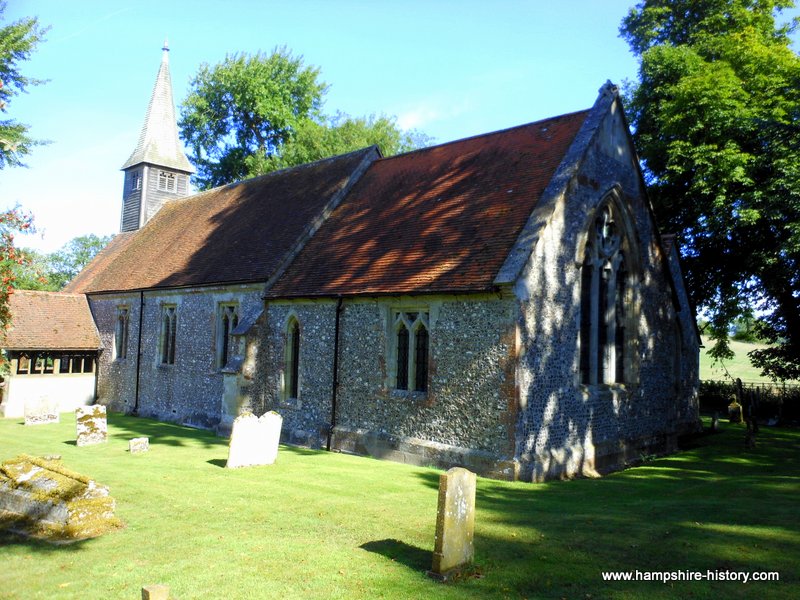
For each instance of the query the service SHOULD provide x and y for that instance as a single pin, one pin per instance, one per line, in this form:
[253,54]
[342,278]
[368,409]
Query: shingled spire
[158,169]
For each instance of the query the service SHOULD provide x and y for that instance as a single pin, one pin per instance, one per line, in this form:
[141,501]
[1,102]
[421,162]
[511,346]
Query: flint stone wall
[188,392]
[566,428]
[466,412]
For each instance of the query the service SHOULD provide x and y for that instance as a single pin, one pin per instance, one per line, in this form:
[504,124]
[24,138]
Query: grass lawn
[325,525]
[739,366]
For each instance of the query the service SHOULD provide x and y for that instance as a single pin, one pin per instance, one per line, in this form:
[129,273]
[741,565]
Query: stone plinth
[254,441]
[139,445]
[41,411]
[91,424]
[455,523]
[49,500]
[155,592]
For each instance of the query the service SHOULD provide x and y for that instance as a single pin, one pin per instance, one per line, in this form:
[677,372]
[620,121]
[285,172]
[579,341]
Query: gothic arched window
[228,320]
[169,326]
[605,301]
[292,358]
[411,351]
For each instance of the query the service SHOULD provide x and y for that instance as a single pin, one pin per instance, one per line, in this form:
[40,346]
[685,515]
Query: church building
[503,302]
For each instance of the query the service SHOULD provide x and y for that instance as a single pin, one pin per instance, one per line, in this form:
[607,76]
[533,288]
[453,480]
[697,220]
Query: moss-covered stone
[41,497]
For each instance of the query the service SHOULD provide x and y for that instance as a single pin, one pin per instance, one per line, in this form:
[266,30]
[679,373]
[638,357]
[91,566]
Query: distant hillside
[738,366]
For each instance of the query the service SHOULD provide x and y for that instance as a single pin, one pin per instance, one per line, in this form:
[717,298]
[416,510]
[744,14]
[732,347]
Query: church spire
[158,169]
[159,143]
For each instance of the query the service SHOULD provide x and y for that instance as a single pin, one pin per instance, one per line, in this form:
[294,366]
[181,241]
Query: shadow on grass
[126,427]
[218,462]
[717,506]
[411,556]
[301,450]
[429,478]
[11,534]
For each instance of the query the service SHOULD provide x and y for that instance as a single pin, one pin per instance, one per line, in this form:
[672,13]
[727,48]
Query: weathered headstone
[715,421]
[455,523]
[158,591]
[48,500]
[139,445]
[254,441]
[41,411]
[91,425]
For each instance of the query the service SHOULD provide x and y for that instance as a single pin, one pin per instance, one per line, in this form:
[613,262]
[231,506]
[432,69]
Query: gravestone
[91,425]
[139,445]
[715,421]
[158,591]
[50,501]
[41,411]
[455,523]
[254,441]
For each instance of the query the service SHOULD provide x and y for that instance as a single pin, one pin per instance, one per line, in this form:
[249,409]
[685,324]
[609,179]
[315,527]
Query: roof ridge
[487,134]
[48,292]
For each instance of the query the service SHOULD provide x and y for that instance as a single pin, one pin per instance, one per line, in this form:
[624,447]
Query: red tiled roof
[440,219]
[50,321]
[235,233]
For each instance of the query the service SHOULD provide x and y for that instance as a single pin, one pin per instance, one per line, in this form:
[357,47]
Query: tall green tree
[342,133]
[73,256]
[17,41]
[250,115]
[238,113]
[51,272]
[32,271]
[716,119]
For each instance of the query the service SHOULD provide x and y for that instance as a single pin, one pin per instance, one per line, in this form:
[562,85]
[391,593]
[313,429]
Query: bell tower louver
[158,169]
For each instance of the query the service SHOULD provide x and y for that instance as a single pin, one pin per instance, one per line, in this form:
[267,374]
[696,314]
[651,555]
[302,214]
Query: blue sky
[451,69]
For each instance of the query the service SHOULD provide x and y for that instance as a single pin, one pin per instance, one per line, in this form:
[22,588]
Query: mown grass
[325,525]
[738,366]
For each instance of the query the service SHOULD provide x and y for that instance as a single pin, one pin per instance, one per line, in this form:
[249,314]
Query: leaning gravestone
[455,523]
[91,425]
[41,411]
[254,441]
[43,498]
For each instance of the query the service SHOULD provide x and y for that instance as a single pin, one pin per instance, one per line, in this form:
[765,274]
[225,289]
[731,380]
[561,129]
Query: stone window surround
[227,320]
[167,337]
[293,334]
[606,374]
[121,329]
[397,316]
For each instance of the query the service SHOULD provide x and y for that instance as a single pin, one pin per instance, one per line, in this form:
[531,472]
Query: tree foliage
[716,118]
[51,272]
[250,115]
[12,222]
[17,41]
[340,134]
[241,111]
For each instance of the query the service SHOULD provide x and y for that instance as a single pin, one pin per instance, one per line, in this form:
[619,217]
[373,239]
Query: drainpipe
[335,370]
[138,354]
